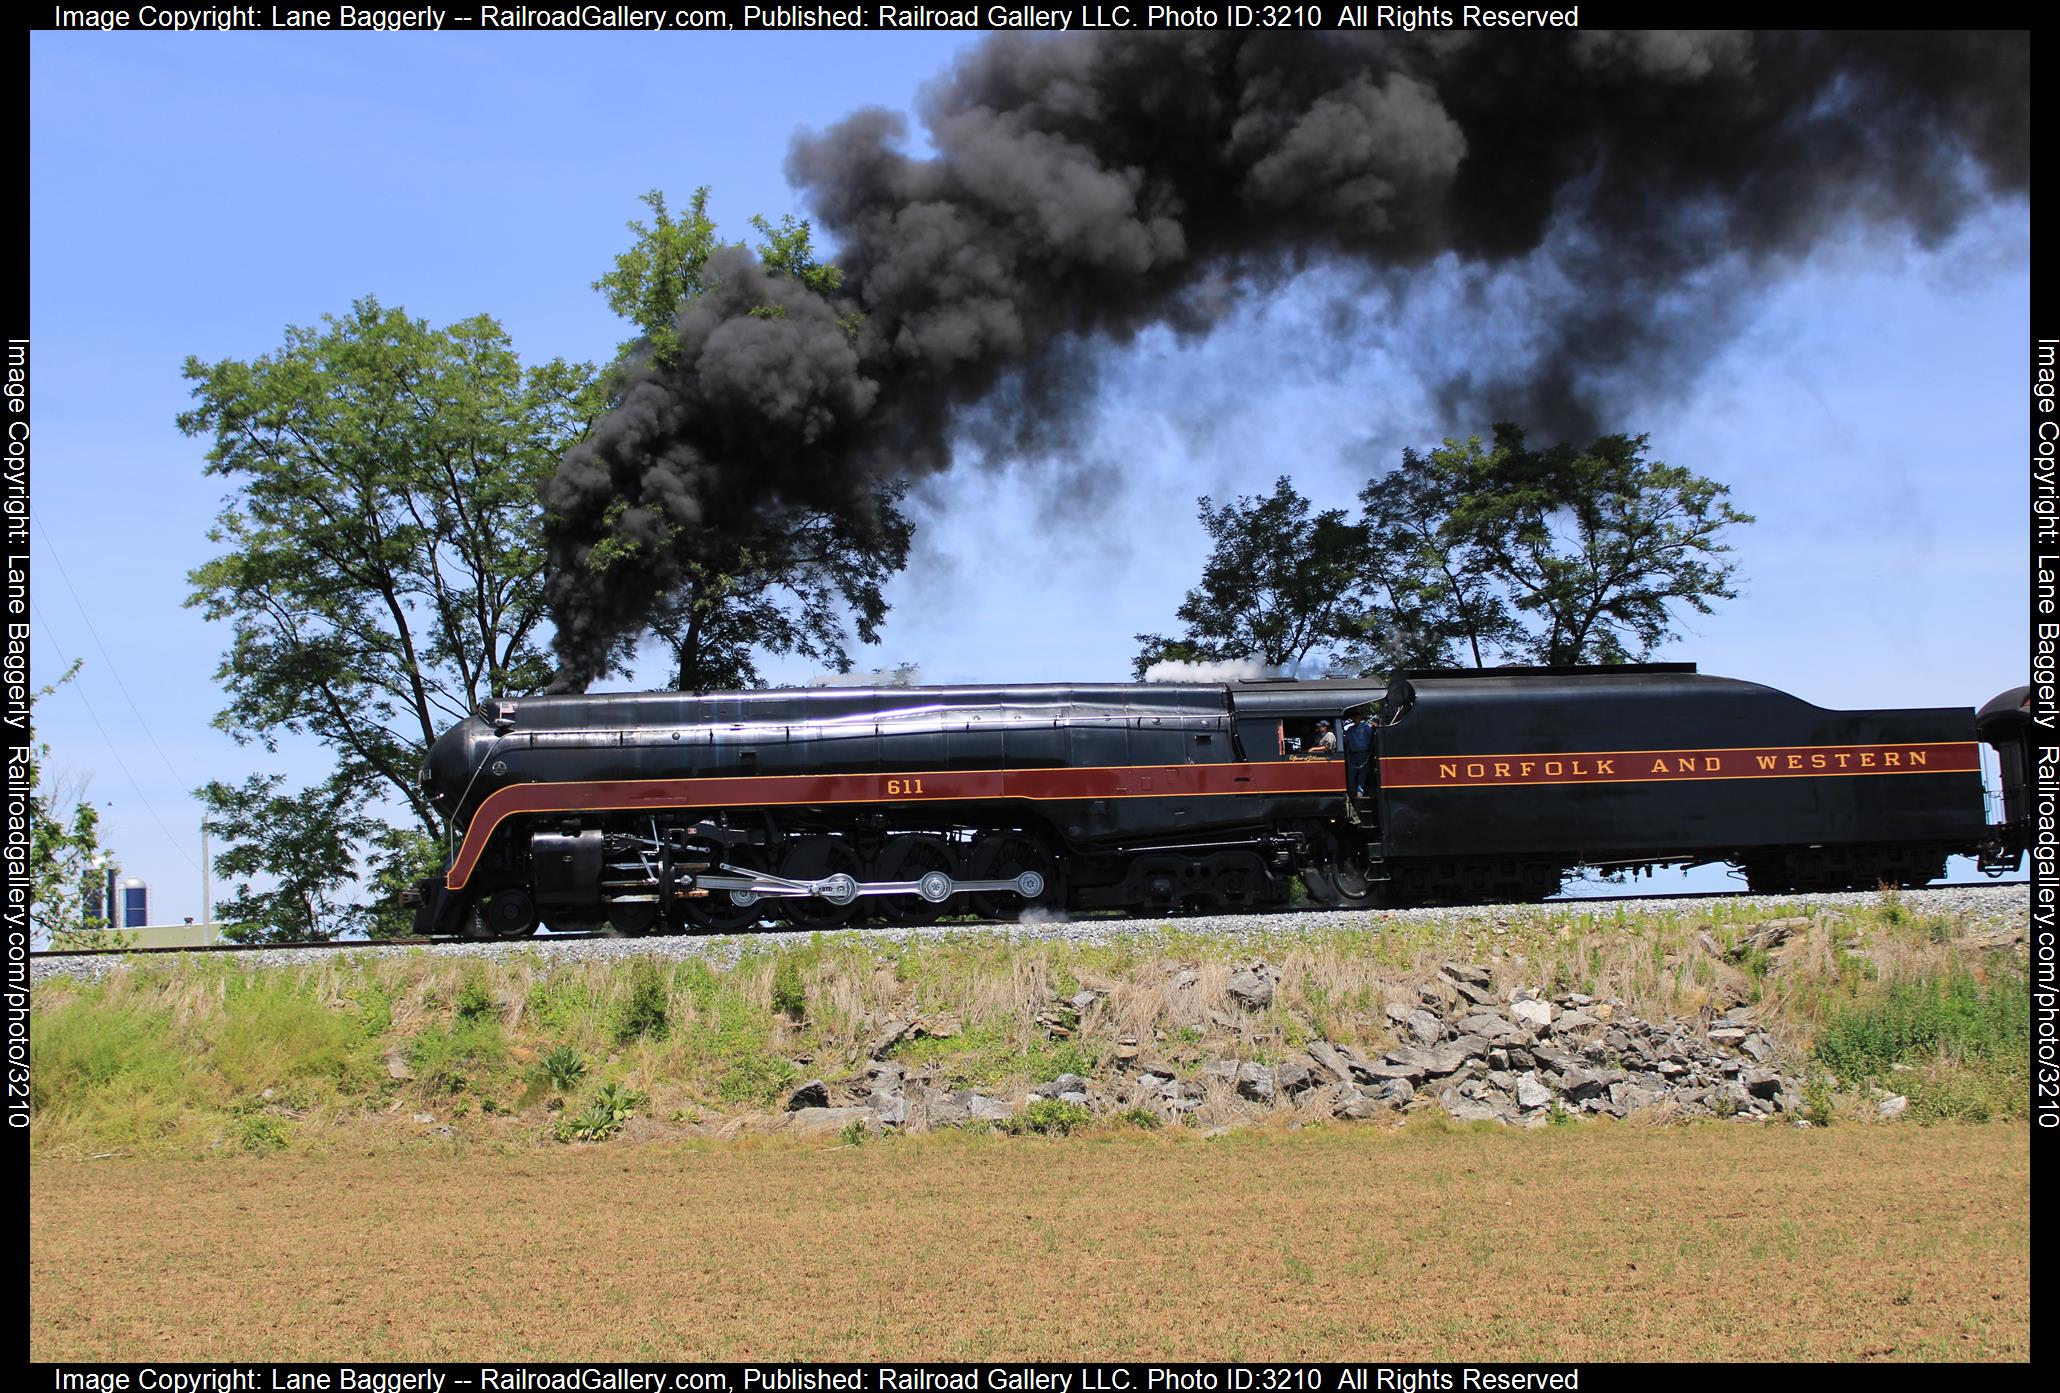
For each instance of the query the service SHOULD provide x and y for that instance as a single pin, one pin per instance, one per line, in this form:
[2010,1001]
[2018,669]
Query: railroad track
[345,945]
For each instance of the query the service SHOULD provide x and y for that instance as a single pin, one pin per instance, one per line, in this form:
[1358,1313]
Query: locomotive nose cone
[449,765]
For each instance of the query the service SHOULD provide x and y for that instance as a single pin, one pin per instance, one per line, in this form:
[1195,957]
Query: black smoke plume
[1086,188]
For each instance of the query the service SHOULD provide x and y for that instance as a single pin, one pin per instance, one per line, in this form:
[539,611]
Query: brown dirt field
[1588,1242]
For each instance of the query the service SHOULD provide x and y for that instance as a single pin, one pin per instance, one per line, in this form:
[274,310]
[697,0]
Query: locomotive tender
[676,812]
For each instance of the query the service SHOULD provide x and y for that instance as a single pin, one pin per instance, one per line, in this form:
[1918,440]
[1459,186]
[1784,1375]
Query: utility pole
[207,896]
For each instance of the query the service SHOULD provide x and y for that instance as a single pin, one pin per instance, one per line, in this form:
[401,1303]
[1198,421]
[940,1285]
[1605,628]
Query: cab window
[1301,736]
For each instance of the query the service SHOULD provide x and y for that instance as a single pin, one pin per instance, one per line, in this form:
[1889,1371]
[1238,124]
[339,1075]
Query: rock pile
[1513,1056]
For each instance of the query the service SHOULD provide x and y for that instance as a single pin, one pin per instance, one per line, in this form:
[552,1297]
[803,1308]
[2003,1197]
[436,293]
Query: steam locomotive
[665,812]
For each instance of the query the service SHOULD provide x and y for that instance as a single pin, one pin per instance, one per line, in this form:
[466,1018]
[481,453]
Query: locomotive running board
[747,887]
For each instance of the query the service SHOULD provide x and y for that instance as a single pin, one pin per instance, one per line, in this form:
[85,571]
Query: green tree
[788,248]
[1595,550]
[65,858]
[663,267]
[396,858]
[800,581]
[796,589]
[1280,587]
[382,563]
[1471,553]
[383,570]
[1431,599]
[303,844]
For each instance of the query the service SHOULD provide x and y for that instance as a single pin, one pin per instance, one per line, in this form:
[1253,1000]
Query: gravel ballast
[1996,905]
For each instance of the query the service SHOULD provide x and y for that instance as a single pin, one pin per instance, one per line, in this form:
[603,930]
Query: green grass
[1956,1043]
[788,996]
[461,1056]
[1957,1014]
[117,1075]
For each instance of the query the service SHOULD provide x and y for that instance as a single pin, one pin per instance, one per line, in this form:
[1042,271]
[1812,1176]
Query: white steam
[1222,670]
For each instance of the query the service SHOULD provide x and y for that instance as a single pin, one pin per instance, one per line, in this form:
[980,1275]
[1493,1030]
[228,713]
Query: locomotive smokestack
[1637,186]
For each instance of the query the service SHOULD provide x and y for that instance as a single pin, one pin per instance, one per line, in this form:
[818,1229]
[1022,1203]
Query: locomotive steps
[1818,1008]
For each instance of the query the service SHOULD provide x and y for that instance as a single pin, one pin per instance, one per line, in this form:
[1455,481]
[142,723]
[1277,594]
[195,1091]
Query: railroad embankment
[1861,1011]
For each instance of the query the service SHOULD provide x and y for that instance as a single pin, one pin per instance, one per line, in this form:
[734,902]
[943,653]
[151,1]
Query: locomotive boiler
[676,812]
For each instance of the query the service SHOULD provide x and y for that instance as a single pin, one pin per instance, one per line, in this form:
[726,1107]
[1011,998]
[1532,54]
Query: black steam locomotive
[669,812]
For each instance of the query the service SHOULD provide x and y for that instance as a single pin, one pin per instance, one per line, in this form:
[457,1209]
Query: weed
[855,1133]
[158,1054]
[1816,1093]
[475,1002]
[564,1067]
[1956,1015]
[1065,1057]
[448,1060]
[260,1133]
[755,1077]
[644,1011]
[1048,1117]
[788,996]
[557,1004]
[1142,1118]
[272,1031]
[610,1107]
[375,1010]
[1994,1087]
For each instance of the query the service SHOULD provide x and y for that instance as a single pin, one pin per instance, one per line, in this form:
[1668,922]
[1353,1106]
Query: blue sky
[196,194]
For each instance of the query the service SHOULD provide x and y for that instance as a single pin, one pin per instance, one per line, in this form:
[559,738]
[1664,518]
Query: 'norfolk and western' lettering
[1648,766]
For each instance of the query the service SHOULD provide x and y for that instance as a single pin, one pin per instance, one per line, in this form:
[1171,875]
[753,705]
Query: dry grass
[1596,1242]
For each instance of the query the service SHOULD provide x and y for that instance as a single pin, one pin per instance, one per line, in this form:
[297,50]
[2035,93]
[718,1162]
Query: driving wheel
[912,858]
[1006,856]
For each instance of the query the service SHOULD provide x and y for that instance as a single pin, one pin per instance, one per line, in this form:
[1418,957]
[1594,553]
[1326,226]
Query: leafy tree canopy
[799,582]
[301,844]
[1473,553]
[1280,587]
[1594,550]
[662,268]
[381,574]
[382,559]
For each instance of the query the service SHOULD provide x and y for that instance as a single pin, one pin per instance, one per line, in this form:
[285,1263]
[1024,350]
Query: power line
[122,763]
[114,671]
